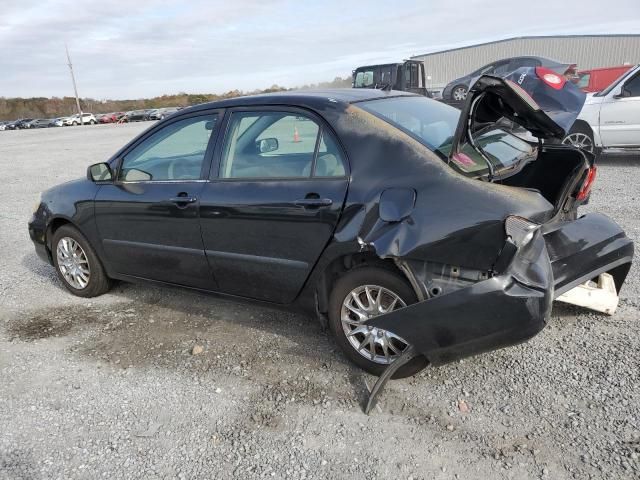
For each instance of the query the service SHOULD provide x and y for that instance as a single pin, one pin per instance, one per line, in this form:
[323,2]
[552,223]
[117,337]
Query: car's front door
[273,202]
[148,217]
[620,115]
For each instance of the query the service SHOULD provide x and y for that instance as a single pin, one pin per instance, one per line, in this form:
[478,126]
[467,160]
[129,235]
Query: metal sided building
[587,51]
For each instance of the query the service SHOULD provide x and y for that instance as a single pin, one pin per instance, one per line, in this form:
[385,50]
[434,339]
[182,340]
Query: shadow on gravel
[620,160]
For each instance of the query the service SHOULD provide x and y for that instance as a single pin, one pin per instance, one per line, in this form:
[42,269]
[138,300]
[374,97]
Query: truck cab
[407,76]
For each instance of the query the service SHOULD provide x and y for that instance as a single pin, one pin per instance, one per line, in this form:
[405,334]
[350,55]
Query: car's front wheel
[459,93]
[77,264]
[581,137]
[361,294]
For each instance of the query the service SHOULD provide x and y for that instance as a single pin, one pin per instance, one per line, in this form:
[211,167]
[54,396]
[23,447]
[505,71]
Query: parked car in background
[610,119]
[597,79]
[456,90]
[38,123]
[84,119]
[135,116]
[161,113]
[56,122]
[110,117]
[3,126]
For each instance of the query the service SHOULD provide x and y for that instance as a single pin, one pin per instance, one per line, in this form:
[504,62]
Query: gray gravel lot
[109,388]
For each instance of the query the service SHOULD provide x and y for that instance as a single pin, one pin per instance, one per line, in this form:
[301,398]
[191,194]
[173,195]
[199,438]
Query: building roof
[526,37]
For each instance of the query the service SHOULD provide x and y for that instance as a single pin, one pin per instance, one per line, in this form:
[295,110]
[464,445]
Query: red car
[110,117]
[597,79]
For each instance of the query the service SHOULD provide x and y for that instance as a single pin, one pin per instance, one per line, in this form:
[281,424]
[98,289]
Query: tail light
[523,94]
[587,184]
[520,230]
[551,78]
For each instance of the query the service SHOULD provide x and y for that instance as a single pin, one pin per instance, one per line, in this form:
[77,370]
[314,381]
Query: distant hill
[15,108]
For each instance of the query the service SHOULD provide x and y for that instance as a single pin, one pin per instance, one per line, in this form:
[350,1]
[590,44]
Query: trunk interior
[554,174]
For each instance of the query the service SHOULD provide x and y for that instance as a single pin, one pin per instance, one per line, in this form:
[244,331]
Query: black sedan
[402,223]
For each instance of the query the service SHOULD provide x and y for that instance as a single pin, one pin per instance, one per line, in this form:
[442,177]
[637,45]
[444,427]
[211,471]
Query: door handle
[184,199]
[313,202]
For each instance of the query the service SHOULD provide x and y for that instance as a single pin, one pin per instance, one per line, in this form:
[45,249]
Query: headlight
[520,230]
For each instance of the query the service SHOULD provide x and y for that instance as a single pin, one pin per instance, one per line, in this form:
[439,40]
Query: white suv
[610,118]
[85,119]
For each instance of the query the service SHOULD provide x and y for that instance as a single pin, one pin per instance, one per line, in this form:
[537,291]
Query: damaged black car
[413,230]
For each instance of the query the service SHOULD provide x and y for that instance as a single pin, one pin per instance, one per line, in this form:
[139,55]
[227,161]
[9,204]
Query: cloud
[127,49]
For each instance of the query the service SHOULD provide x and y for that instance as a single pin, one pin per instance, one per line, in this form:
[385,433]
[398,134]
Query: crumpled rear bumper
[504,310]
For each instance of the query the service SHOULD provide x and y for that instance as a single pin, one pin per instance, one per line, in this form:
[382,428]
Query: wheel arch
[348,262]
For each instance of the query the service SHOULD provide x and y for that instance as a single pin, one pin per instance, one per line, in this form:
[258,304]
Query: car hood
[537,99]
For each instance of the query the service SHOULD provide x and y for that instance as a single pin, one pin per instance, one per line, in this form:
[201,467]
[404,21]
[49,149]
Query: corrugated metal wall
[586,51]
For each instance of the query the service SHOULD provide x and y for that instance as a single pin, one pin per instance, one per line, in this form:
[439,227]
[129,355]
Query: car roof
[308,98]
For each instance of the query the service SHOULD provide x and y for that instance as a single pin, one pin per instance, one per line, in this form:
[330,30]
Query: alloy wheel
[73,263]
[459,94]
[375,344]
[579,140]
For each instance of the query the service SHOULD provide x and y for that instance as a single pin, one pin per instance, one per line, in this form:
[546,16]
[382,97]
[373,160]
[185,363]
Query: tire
[97,281]
[391,283]
[75,124]
[459,91]
[92,122]
[581,136]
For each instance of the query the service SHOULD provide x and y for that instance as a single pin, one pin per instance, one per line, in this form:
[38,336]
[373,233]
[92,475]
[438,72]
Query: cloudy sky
[142,48]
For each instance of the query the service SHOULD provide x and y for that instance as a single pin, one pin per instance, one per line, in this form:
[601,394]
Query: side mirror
[99,172]
[267,145]
[622,93]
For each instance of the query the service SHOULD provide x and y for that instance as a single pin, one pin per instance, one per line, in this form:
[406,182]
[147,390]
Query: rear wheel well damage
[344,264]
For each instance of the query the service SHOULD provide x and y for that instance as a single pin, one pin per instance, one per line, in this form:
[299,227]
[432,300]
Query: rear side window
[278,145]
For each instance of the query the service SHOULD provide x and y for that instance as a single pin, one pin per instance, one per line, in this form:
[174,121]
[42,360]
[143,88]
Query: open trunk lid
[509,129]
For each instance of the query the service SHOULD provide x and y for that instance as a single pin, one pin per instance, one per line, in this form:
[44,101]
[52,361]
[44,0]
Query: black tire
[370,276]
[98,282]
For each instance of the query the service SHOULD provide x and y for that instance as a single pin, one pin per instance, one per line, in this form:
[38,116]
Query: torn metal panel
[502,310]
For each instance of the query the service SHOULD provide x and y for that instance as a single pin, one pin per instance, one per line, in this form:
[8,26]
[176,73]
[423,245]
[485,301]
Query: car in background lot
[456,90]
[610,119]
[38,123]
[597,79]
[136,116]
[84,119]
[161,113]
[110,117]
[3,126]
[468,227]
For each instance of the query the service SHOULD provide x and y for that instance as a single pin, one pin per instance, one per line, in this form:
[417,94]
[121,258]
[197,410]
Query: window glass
[269,145]
[329,162]
[432,123]
[583,80]
[501,68]
[633,86]
[175,152]
[364,79]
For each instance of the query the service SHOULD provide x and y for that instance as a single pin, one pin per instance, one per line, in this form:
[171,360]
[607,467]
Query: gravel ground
[110,387]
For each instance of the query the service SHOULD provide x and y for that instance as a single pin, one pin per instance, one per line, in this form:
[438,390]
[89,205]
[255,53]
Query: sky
[143,48]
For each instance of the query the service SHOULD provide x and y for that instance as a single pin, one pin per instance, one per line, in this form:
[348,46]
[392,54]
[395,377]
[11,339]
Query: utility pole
[73,79]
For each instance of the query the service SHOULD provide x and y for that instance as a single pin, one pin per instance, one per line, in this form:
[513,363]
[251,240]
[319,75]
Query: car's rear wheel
[361,294]
[459,93]
[77,264]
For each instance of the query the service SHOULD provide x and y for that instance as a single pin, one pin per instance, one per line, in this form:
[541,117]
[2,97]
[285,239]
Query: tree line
[42,107]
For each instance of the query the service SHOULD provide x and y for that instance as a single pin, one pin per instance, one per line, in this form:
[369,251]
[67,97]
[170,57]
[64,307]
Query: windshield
[433,124]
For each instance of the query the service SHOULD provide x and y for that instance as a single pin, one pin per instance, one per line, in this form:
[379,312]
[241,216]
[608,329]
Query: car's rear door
[148,217]
[273,202]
